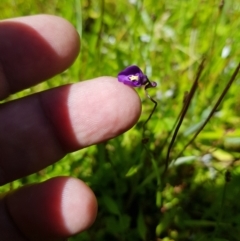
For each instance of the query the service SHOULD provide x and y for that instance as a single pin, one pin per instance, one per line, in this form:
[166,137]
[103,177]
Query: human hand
[38,130]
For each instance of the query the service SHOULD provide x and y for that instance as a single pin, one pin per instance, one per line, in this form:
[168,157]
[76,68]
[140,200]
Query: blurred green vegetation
[197,199]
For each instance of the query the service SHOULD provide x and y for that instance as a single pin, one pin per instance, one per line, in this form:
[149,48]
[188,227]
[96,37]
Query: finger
[48,211]
[33,49]
[38,130]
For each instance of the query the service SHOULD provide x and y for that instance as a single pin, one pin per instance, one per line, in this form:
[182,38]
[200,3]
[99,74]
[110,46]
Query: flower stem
[147,86]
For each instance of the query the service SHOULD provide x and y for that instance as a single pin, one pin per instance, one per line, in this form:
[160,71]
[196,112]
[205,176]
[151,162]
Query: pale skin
[40,129]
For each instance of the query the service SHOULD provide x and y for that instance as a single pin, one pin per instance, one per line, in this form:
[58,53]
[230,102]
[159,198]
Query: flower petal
[132,76]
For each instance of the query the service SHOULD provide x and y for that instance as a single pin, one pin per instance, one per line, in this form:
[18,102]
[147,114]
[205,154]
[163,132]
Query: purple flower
[133,76]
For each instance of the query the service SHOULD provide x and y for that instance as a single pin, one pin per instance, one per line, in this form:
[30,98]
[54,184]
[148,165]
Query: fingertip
[108,108]
[79,206]
[60,34]
[33,49]
[92,111]
[52,210]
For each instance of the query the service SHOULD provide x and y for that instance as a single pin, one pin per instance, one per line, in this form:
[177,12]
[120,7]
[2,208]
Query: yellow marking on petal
[133,77]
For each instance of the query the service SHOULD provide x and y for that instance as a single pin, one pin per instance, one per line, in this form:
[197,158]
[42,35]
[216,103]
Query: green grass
[168,40]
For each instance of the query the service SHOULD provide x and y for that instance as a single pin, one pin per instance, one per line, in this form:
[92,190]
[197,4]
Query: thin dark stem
[174,125]
[183,113]
[149,85]
[214,108]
